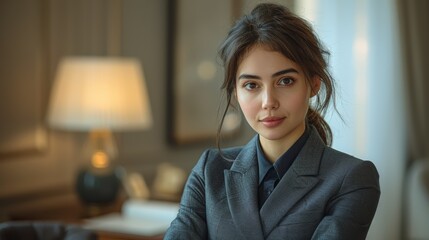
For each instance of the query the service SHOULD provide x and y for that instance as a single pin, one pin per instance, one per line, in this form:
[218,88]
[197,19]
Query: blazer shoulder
[212,159]
[228,154]
[334,156]
[351,167]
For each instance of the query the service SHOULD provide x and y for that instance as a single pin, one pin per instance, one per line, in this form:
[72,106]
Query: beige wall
[81,27]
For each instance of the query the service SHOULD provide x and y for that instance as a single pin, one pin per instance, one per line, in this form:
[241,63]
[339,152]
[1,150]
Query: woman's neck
[273,149]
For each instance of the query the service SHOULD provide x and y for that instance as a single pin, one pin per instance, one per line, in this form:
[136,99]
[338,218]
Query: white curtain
[362,36]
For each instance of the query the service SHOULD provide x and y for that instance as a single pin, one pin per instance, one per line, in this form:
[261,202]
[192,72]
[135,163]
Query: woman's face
[273,95]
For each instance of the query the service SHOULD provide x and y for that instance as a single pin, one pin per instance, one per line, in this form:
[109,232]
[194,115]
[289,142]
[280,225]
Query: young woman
[286,183]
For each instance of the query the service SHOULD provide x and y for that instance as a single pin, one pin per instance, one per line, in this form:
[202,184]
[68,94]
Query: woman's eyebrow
[279,73]
[289,70]
[248,76]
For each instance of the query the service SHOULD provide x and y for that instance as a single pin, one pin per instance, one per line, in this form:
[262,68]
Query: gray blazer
[326,194]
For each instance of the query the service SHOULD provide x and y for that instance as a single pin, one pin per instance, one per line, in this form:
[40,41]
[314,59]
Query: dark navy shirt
[270,174]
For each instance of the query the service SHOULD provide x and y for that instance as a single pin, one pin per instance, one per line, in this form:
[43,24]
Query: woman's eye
[250,86]
[286,81]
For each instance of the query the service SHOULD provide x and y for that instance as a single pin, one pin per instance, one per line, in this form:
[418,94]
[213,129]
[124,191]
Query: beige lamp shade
[99,93]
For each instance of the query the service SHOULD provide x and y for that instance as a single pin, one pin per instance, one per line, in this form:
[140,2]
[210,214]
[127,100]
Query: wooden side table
[119,236]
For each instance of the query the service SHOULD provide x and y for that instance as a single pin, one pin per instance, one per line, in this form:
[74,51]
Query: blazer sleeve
[190,222]
[350,212]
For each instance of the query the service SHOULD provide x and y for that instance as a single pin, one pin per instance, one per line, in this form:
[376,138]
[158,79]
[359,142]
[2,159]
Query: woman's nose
[269,100]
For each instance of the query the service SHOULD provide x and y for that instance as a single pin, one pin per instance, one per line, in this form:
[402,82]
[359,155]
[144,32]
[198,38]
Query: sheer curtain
[413,16]
[366,63]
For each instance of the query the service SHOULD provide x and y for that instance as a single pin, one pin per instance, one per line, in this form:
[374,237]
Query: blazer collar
[246,158]
[241,183]
[242,187]
[295,184]
[306,163]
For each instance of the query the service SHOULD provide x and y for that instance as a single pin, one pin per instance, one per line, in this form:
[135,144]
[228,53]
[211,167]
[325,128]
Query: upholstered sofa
[43,231]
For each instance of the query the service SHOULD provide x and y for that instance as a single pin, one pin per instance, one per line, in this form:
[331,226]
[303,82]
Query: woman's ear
[315,85]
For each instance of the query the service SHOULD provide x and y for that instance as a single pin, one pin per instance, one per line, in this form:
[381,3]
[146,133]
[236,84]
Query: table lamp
[99,95]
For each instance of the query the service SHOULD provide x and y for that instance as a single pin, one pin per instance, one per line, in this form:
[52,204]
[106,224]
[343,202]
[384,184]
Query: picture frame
[195,104]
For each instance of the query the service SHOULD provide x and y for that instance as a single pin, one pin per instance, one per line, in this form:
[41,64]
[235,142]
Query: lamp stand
[99,182]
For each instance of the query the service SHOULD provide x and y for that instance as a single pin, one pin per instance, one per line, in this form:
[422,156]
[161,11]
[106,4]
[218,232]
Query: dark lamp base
[97,188]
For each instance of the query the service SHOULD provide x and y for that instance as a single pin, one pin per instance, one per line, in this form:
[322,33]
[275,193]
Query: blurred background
[379,58]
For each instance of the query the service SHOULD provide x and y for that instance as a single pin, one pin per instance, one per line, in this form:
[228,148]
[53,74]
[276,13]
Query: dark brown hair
[276,27]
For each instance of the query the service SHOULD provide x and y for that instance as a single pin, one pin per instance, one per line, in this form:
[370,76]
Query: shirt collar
[283,163]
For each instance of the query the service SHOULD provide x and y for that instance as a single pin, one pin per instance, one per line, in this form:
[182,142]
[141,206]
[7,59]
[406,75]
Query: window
[362,37]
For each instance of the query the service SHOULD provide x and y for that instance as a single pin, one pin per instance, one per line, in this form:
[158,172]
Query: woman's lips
[272,121]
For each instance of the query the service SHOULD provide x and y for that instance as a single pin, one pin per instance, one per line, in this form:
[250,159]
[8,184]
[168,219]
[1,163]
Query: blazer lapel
[295,184]
[242,192]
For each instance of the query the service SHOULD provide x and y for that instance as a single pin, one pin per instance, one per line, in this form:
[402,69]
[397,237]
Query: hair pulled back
[277,28]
